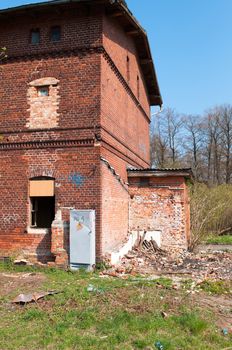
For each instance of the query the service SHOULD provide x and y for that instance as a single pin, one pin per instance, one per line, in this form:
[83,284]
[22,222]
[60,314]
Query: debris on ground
[32,297]
[22,262]
[159,346]
[225,331]
[92,288]
[148,259]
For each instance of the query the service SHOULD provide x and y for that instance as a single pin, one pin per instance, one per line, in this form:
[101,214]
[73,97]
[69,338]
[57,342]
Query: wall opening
[138,87]
[42,202]
[55,33]
[128,68]
[42,211]
[35,36]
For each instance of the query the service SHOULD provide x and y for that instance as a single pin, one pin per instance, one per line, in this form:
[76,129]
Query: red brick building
[76,91]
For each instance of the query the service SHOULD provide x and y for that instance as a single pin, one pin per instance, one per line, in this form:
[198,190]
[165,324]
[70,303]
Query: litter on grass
[32,297]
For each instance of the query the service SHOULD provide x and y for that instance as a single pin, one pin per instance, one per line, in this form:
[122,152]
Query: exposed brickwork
[121,47]
[97,106]
[125,128]
[115,209]
[161,205]
[43,109]
[60,240]
[17,167]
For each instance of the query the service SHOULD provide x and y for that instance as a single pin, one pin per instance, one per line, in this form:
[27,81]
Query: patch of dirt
[22,282]
[220,305]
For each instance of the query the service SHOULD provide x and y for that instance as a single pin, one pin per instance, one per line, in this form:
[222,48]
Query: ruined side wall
[161,205]
[115,210]
[77,184]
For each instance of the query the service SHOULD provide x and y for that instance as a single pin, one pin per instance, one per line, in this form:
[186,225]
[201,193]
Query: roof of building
[117,9]
[185,172]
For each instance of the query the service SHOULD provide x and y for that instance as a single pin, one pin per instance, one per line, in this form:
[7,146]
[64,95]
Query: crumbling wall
[114,210]
[161,204]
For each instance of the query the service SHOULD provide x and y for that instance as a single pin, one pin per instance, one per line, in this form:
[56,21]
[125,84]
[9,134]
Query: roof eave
[154,94]
[186,173]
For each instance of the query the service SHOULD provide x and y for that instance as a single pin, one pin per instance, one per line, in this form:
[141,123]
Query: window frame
[35,31]
[52,29]
[43,87]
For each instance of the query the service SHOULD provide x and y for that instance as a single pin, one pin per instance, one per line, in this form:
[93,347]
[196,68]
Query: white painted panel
[82,237]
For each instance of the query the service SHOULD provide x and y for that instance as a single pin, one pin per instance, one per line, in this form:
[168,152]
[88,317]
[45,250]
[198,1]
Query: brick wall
[161,205]
[121,47]
[124,114]
[80,27]
[115,210]
[124,127]
[61,164]
[97,110]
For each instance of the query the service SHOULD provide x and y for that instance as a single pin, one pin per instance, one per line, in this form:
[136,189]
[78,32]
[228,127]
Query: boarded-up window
[41,188]
[42,200]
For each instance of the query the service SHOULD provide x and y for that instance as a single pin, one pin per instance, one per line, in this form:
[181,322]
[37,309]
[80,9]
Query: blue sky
[191,46]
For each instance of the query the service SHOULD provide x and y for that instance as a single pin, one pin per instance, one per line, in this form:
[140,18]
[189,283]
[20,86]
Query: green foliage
[32,314]
[226,239]
[211,210]
[192,322]
[216,287]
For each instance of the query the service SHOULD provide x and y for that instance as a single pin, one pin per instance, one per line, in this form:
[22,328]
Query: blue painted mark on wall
[76,179]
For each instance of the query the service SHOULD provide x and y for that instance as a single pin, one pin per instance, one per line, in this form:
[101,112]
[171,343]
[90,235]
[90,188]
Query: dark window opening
[128,68]
[138,87]
[144,182]
[42,211]
[35,36]
[43,91]
[55,33]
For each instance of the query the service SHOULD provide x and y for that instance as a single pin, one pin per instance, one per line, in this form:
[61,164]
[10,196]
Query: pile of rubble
[149,259]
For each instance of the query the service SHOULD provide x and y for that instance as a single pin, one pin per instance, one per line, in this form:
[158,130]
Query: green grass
[123,315]
[216,287]
[227,239]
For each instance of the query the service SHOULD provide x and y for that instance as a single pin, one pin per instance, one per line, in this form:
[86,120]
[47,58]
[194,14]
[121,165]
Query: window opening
[43,91]
[35,36]
[128,68]
[42,211]
[138,87]
[55,33]
[144,182]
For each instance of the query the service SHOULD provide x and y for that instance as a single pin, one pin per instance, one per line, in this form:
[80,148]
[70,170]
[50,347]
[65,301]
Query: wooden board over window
[41,188]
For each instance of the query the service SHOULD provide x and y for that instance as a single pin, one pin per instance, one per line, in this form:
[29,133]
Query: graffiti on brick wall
[73,177]
[76,179]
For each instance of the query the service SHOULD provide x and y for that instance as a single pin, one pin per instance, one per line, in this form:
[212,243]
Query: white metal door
[82,238]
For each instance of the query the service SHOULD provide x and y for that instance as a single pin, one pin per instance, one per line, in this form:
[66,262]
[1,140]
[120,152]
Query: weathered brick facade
[159,203]
[70,111]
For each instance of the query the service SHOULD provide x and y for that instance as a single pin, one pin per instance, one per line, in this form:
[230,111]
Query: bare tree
[165,138]
[159,142]
[202,142]
[174,124]
[194,142]
[225,122]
